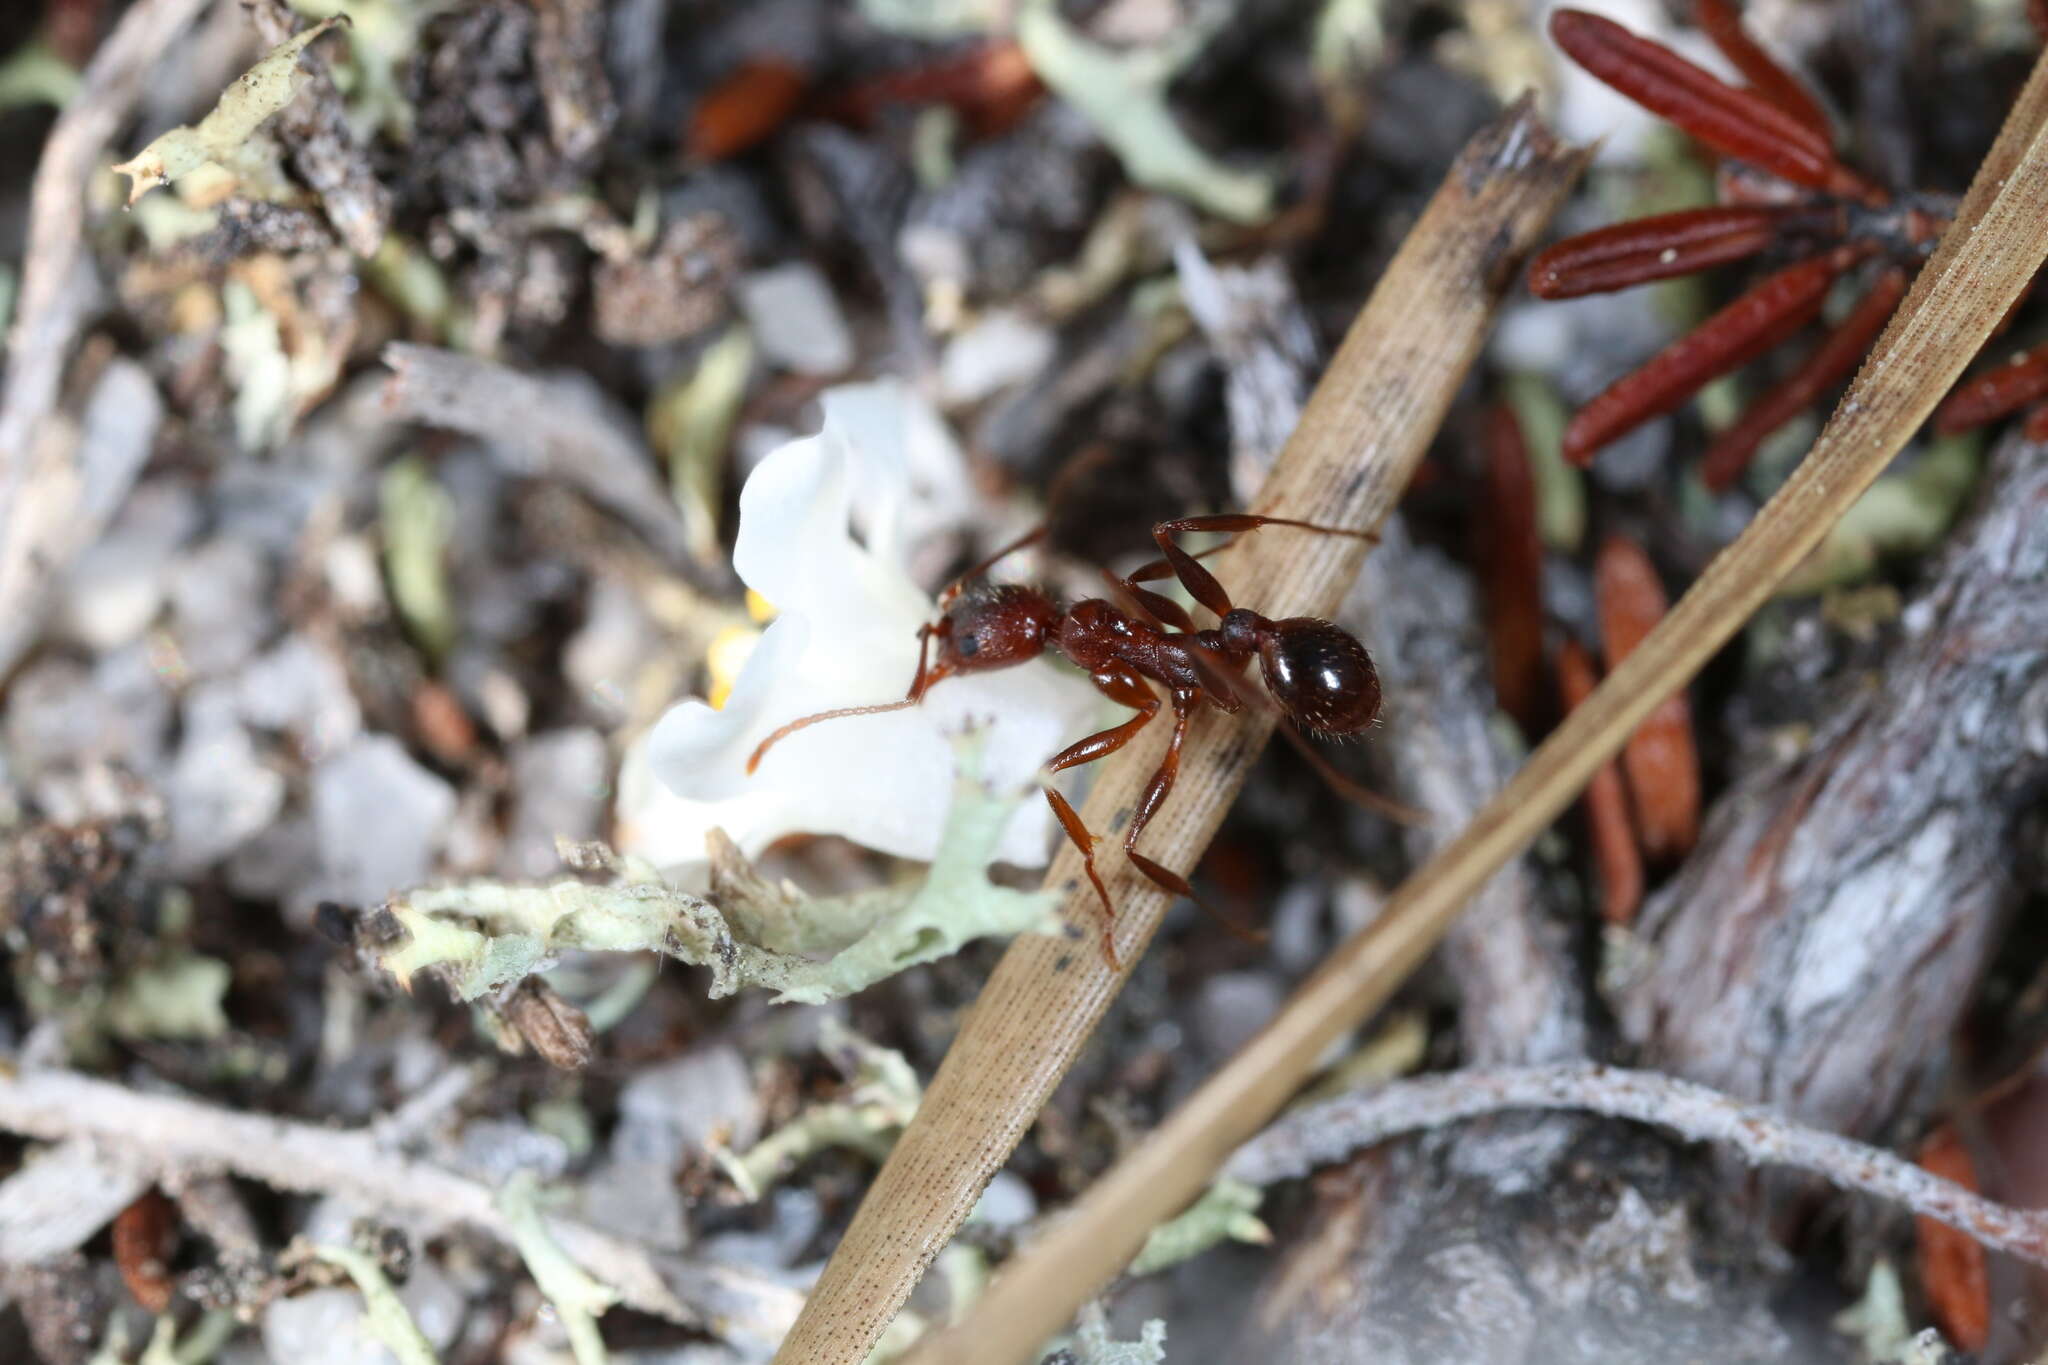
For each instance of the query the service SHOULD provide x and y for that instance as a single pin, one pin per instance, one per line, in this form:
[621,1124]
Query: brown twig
[1761,1136]
[169,1136]
[1364,431]
[1982,264]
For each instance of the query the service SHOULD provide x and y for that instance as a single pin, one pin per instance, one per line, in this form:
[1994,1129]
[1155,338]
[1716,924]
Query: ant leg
[1157,569]
[1125,688]
[1337,782]
[1077,832]
[1200,583]
[1161,613]
[1148,805]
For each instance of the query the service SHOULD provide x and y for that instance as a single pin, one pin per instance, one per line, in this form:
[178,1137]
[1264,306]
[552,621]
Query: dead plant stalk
[1361,436]
[1982,264]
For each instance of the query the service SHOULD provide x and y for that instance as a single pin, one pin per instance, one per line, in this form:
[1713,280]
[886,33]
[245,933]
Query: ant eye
[1320,675]
[967,645]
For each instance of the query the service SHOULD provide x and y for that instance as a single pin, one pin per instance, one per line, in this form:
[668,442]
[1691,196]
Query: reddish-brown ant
[1320,677]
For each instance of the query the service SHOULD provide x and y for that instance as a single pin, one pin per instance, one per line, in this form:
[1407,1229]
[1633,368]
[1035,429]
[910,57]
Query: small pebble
[379,817]
[795,319]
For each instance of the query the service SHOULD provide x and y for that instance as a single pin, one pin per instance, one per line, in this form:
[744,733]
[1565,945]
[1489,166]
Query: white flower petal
[847,636]
[909,479]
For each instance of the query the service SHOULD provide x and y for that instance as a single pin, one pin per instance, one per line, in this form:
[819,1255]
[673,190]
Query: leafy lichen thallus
[1321,678]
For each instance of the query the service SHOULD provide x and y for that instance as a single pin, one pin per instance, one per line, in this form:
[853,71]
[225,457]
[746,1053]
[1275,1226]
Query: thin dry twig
[1334,1129]
[1364,431]
[167,1136]
[1981,266]
[53,300]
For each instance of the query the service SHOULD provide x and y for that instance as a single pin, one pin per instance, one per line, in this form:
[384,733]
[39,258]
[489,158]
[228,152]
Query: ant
[1320,677]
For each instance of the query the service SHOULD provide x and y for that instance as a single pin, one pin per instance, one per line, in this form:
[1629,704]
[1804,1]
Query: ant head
[1322,677]
[991,626]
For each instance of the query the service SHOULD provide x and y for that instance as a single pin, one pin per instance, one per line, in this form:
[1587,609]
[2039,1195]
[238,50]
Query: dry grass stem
[1983,263]
[1364,431]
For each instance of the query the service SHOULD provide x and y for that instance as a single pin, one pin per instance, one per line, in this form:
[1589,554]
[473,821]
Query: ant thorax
[1094,634]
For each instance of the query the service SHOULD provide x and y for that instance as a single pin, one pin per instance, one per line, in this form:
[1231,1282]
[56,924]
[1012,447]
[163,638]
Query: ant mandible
[1320,677]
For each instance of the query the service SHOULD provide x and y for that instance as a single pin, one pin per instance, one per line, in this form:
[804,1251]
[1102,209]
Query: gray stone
[379,818]
[562,780]
[795,319]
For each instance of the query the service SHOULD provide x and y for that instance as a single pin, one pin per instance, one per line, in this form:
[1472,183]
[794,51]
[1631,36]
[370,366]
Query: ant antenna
[805,722]
[1071,472]
[919,685]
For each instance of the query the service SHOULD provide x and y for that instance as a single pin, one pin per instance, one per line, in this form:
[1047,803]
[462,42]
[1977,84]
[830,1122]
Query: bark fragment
[1819,946]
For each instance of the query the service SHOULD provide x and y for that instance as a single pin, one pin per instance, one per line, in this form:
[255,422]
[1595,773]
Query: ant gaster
[1318,675]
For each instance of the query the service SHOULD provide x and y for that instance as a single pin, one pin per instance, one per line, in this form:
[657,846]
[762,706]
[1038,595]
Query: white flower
[846,635]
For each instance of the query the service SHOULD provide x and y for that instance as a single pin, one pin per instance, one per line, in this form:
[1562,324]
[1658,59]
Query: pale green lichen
[1123,93]
[213,1330]
[1878,1320]
[169,221]
[579,1301]
[1560,489]
[259,371]
[1350,41]
[385,1315]
[383,36]
[691,422]
[179,998]
[881,1097]
[482,936]
[245,106]
[412,280]
[416,516]
[1227,1211]
[33,74]
[1092,1344]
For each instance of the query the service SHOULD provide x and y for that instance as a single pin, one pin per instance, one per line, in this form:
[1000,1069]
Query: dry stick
[1981,266]
[1328,1132]
[170,1136]
[49,311]
[1364,431]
